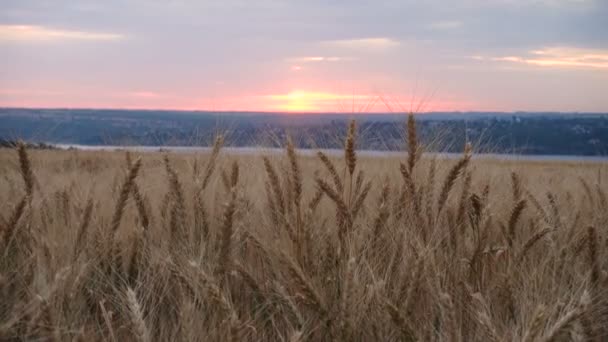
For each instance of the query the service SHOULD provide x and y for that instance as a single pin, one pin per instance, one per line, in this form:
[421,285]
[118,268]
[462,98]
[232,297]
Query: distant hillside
[524,133]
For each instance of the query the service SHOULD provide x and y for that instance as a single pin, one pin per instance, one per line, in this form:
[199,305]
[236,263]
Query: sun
[312,101]
[303,101]
[299,101]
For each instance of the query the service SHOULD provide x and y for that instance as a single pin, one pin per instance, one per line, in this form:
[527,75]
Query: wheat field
[123,246]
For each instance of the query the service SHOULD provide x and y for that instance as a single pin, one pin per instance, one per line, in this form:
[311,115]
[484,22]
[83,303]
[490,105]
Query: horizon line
[233,111]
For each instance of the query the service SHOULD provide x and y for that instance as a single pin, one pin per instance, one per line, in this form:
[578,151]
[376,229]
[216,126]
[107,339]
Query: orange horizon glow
[311,101]
[294,101]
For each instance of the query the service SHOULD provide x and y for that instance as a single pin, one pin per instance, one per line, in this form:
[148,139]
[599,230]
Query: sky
[314,55]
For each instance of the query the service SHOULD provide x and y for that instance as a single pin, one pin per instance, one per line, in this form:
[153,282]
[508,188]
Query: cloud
[566,2]
[365,43]
[558,57]
[533,3]
[445,25]
[316,59]
[34,33]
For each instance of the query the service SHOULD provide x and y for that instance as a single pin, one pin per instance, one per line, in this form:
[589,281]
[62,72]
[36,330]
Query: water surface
[332,152]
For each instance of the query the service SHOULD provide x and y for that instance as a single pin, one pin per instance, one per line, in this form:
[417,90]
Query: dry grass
[294,248]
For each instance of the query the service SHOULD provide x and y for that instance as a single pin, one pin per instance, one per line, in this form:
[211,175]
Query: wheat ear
[449,181]
[275,185]
[531,242]
[296,173]
[227,226]
[329,165]
[178,210]
[217,146]
[124,195]
[350,155]
[137,317]
[412,143]
[516,213]
[536,326]
[84,225]
[566,321]
[310,296]
[9,229]
[25,168]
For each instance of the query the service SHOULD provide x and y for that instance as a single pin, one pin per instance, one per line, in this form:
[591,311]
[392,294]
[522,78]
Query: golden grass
[296,248]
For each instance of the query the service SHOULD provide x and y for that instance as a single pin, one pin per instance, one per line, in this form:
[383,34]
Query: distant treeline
[522,133]
[30,145]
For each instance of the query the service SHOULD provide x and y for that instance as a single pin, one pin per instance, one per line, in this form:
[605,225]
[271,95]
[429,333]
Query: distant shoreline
[332,152]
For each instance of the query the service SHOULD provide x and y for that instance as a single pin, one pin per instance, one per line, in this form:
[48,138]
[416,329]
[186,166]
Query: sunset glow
[306,57]
[304,101]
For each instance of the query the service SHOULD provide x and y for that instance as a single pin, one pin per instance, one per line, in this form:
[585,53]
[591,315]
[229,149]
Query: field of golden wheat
[214,247]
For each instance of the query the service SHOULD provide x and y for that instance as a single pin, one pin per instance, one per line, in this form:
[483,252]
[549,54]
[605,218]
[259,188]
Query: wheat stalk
[410,186]
[124,195]
[516,213]
[316,199]
[310,296]
[382,216]
[556,220]
[9,229]
[84,225]
[413,284]
[531,242]
[275,185]
[407,333]
[464,197]
[332,171]
[137,317]
[430,192]
[107,320]
[296,173]
[217,146]
[412,143]
[450,318]
[536,325]
[178,210]
[359,201]
[343,216]
[594,264]
[350,155]
[227,226]
[566,321]
[140,203]
[25,167]
[516,186]
[449,181]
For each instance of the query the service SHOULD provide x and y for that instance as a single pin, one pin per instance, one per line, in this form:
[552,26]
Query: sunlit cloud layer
[32,33]
[558,57]
[315,59]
